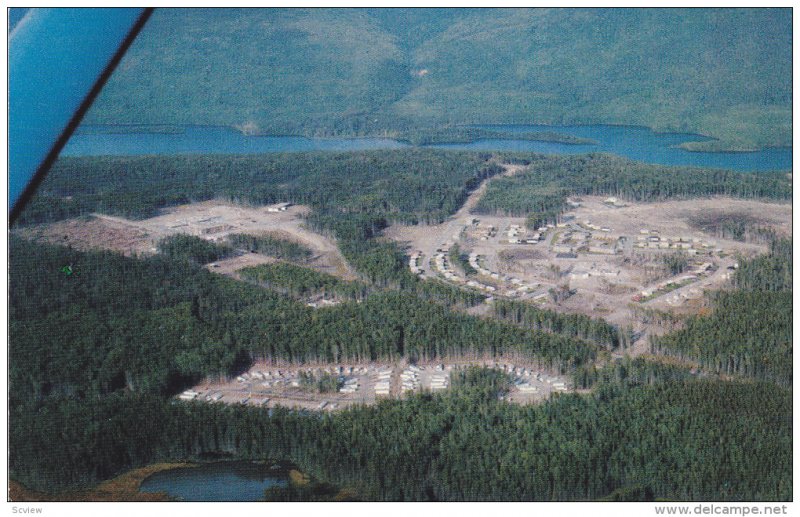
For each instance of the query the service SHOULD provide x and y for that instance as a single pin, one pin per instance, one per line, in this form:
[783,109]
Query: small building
[279,207]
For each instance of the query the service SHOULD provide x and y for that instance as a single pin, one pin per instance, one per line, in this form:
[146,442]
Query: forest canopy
[725,73]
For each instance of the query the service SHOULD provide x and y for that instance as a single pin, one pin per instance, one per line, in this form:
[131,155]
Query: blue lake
[96,141]
[637,143]
[221,481]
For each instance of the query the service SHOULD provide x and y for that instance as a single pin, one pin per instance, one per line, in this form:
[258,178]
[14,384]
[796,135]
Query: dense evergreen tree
[154,325]
[195,249]
[688,440]
[750,329]
[576,325]
[404,185]
[272,246]
[300,281]
[97,348]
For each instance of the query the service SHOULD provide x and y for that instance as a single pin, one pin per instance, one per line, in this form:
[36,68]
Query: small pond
[218,481]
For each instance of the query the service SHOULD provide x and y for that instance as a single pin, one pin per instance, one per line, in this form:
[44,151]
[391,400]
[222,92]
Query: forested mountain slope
[725,73]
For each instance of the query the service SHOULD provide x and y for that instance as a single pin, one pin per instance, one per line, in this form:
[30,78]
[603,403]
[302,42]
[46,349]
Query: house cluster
[206,227]
[651,239]
[667,285]
[270,379]
[409,379]
[593,227]
[413,263]
[582,274]
[485,231]
[350,385]
[513,286]
[442,264]
[525,380]
[674,283]
[678,298]
[585,237]
[569,241]
[519,235]
[218,396]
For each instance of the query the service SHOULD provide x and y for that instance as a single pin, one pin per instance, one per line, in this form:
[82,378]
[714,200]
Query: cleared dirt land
[607,258]
[211,220]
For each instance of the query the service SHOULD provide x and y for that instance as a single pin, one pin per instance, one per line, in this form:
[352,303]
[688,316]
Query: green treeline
[540,191]
[676,263]
[594,330]
[626,373]
[322,383]
[301,281]
[736,226]
[407,185]
[749,332]
[155,325]
[94,354]
[381,263]
[461,260]
[769,272]
[468,134]
[272,246]
[383,72]
[195,249]
[689,440]
[354,195]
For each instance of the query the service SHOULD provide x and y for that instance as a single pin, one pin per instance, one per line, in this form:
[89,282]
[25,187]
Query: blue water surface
[96,140]
[637,143]
[224,481]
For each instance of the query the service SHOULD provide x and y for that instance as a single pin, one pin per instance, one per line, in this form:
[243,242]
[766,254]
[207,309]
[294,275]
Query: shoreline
[551,135]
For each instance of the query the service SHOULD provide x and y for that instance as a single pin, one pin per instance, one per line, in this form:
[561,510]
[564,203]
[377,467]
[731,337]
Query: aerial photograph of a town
[348,255]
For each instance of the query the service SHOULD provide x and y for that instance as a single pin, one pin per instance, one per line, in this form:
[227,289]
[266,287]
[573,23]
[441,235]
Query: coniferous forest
[97,355]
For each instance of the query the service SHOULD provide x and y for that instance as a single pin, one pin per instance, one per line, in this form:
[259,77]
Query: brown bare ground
[122,488]
[613,279]
[91,233]
[212,220]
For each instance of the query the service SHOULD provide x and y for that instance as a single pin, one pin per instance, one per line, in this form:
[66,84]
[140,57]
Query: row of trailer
[531,382]
[219,396]
[413,263]
[442,264]
[383,380]
[439,381]
[652,239]
[514,286]
[409,379]
[350,385]
[383,383]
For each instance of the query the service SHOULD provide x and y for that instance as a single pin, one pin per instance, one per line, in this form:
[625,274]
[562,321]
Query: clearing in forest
[210,220]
